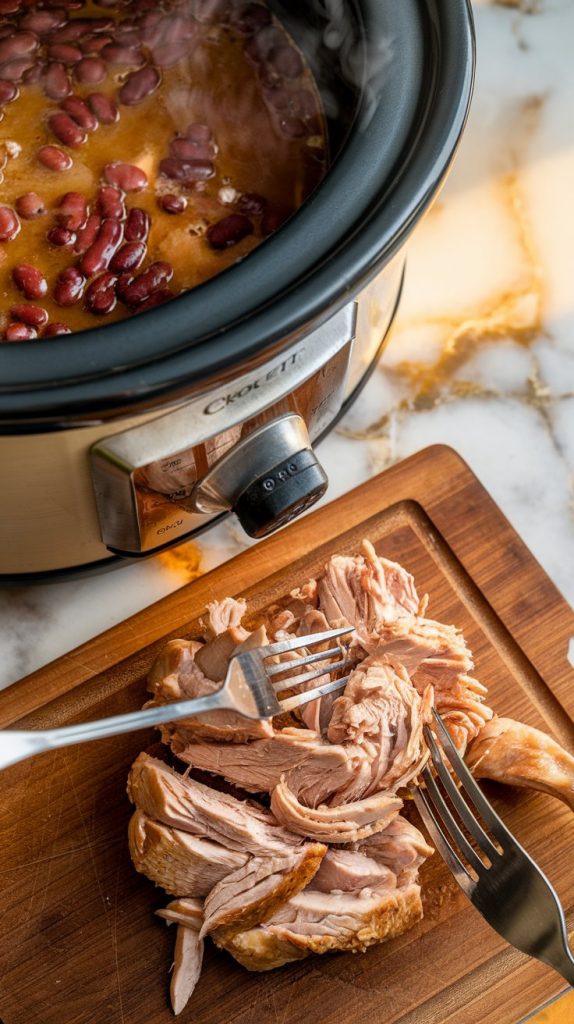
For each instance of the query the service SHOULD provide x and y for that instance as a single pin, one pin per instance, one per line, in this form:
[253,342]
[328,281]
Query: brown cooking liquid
[234,129]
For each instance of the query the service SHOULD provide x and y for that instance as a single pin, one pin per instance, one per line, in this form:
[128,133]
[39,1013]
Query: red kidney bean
[229,231]
[56,83]
[79,27]
[19,332]
[14,70]
[90,71]
[71,32]
[268,78]
[72,210]
[286,61]
[139,85]
[8,92]
[152,28]
[172,204]
[34,316]
[18,45]
[186,170]
[211,11]
[69,286]
[128,177]
[29,280]
[186,149]
[100,297]
[42,22]
[9,224]
[170,28]
[304,103]
[157,34]
[251,18]
[113,53]
[80,112]
[252,204]
[152,35]
[95,44]
[54,158]
[103,107]
[66,53]
[111,204]
[98,256]
[198,133]
[53,329]
[278,97]
[293,127]
[146,283]
[87,235]
[126,35]
[30,205]
[167,55]
[61,237]
[137,225]
[156,299]
[67,131]
[34,74]
[129,257]
[10,6]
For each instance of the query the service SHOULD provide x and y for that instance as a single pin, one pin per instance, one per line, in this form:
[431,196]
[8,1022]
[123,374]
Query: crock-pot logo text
[223,401]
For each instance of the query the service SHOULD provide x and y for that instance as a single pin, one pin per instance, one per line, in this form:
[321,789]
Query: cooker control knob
[281,494]
[268,478]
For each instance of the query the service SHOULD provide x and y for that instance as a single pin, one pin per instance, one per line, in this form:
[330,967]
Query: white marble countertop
[482,357]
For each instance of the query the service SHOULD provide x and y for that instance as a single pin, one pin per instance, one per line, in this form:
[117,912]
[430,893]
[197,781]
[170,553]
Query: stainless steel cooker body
[118,442]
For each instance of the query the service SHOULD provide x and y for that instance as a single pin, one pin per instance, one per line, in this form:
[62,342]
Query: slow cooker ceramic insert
[121,440]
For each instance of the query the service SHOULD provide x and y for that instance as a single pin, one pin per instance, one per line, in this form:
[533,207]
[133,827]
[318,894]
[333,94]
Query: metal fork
[509,890]
[247,689]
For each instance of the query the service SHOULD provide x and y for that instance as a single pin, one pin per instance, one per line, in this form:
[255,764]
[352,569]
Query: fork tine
[445,849]
[470,821]
[487,812]
[302,641]
[308,695]
[306,677]
[450,823]
[286,666]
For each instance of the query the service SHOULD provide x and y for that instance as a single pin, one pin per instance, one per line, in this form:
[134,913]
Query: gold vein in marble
[184,561]
[524,6]
[516,313]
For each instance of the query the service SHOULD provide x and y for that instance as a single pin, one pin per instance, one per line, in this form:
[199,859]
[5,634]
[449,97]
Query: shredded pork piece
[332,865]
[188,954]
[519,755]
[343,824]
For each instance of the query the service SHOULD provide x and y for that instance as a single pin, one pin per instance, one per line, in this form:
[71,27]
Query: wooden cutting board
[79,943]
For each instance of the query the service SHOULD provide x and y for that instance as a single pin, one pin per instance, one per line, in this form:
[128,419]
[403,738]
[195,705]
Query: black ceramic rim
[384,179]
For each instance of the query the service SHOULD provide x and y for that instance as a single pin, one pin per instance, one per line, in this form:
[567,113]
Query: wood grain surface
[79,943]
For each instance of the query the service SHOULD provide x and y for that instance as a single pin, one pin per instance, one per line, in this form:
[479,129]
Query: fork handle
[16,745]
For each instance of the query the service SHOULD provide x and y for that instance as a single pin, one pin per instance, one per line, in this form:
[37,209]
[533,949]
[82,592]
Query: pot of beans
[204,206]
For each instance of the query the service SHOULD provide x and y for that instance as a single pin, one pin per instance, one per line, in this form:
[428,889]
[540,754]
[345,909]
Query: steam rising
[362,62]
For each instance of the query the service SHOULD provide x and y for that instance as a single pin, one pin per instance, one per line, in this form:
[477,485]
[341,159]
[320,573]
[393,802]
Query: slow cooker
[119,441]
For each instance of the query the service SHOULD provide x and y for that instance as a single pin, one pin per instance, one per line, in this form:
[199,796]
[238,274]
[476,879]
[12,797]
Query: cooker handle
[269,478]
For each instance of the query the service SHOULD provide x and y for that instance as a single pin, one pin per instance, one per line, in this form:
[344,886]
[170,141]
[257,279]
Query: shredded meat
[318,922]
[332,864]
[519,755]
